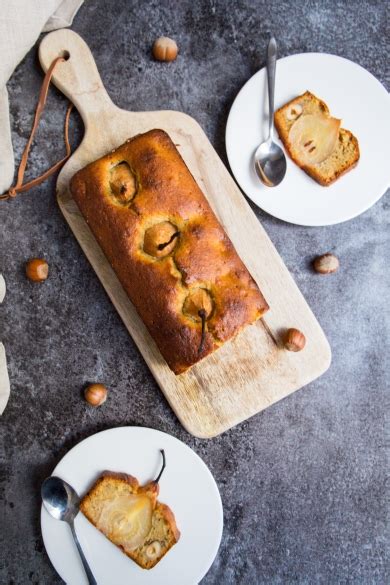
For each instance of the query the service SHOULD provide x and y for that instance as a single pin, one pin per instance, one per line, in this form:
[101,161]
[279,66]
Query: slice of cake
[314,140]
[130,516]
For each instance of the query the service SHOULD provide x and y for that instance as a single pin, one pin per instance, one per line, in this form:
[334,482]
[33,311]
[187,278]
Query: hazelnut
[294,111]
[294,340]
[123,183]
[95,394]
[326,264]
[153,550]
[198,299]
[160,239]
[165,49]
[37,269]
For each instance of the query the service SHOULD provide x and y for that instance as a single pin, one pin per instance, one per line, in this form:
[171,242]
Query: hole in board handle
[64,54]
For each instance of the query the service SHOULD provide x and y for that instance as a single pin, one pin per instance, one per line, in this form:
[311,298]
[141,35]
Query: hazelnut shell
[95,394]
[165,49]
[326,264]
[294,340]
[37,269]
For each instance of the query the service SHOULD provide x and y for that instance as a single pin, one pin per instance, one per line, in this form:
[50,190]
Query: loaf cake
[169,251]
[130,516]
[314,140]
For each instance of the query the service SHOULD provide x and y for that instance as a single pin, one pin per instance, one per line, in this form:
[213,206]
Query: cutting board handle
[77,77]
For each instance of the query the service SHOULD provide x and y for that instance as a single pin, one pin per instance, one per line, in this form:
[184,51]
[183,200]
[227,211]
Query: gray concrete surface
[303,483]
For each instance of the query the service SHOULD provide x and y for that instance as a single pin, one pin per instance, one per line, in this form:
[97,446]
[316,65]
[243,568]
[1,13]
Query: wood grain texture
[249,373]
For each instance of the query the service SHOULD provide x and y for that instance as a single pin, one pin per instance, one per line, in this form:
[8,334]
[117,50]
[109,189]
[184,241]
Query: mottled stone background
[303,483]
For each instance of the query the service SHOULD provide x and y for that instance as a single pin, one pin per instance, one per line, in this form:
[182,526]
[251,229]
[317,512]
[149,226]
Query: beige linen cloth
[21,23]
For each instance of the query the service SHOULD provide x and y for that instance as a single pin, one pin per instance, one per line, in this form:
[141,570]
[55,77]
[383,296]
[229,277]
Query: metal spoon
[62,502]
[270,161]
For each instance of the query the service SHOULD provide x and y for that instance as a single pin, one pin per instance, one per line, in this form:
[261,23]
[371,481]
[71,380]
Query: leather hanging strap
[19,187]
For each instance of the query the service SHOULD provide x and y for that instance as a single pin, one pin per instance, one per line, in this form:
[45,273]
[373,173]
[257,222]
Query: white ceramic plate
[187,486]
[353,95]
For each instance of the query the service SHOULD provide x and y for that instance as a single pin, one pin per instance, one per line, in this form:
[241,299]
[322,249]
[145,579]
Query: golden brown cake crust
[199,255]
[132,482]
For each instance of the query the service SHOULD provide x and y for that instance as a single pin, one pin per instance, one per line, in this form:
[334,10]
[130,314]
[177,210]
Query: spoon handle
[91,578]
[271,69]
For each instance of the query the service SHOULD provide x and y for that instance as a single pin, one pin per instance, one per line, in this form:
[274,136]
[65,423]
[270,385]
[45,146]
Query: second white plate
[352,94]
[187,486]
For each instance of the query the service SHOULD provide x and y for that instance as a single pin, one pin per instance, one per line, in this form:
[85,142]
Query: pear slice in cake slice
[126,520]
[313,138]
[130,516]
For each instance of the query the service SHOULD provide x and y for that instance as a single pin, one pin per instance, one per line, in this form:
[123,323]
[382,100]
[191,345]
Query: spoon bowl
[270,163]
[60,499]
[270,160]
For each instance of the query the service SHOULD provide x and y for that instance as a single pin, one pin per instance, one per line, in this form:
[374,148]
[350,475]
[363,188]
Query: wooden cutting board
[249,373]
